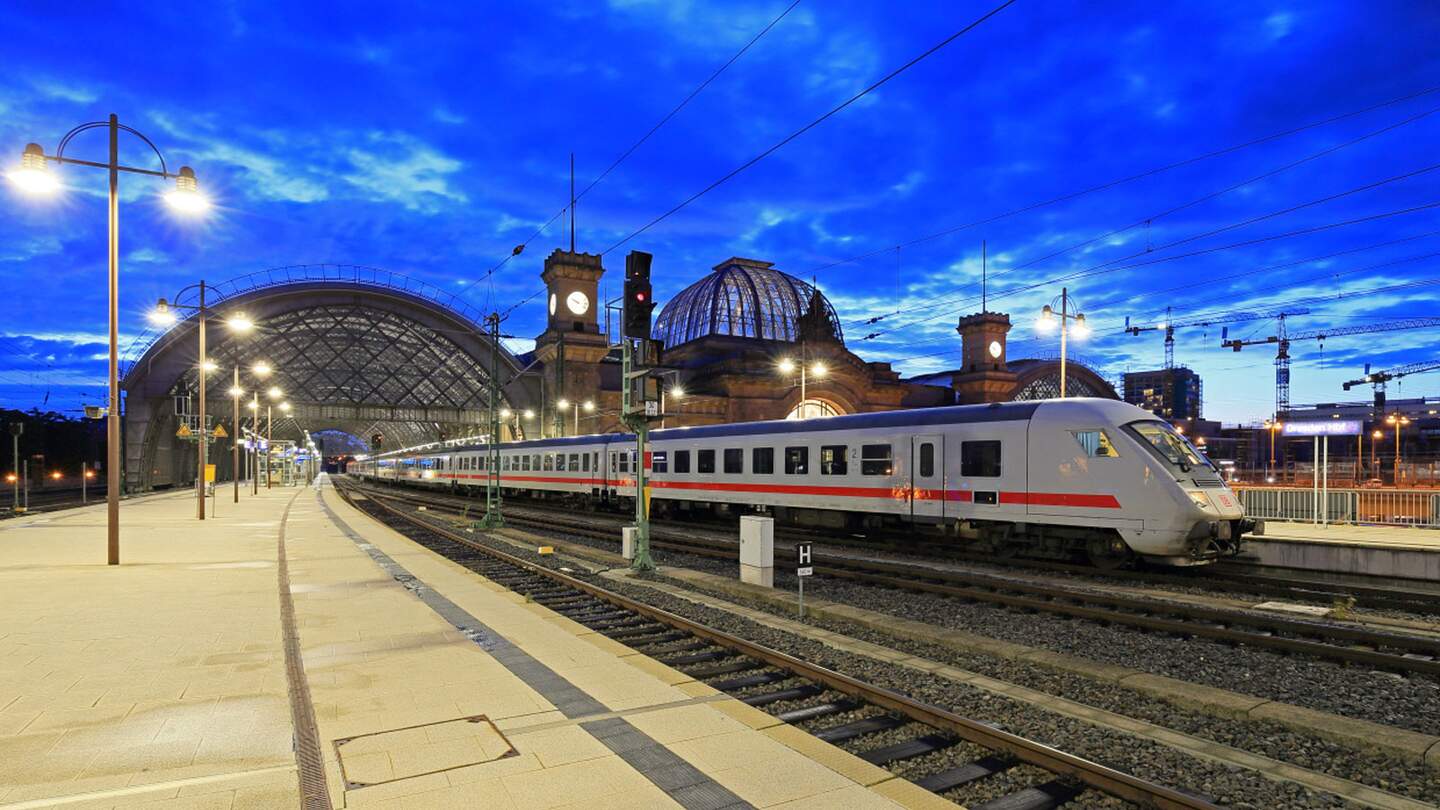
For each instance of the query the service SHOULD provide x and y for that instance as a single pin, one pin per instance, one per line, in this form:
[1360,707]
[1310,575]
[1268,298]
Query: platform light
[505,413]
[163,314]
[284,407]
[275,392]
[89,473]
[678,392]
[589,406]
[34,176]
[237,391]
[55,475]
[787,365]
[186,196]
[209,366]
[529,414]
[239,323]
[261,369]
[563,404]
[9,478]
[818,370]
[1081,329]
[1046,321]
[253,405]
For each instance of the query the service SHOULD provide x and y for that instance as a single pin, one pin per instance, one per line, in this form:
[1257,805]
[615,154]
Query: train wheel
[1108,553]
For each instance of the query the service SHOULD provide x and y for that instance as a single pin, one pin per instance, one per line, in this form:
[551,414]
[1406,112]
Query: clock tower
[572,345]
[983,375]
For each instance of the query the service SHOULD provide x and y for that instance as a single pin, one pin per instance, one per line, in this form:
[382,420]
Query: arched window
[812,408]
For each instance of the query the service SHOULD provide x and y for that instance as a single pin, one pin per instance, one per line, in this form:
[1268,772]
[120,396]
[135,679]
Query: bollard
[627,542]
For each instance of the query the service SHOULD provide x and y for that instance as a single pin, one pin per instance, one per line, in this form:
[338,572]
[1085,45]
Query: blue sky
[429,141]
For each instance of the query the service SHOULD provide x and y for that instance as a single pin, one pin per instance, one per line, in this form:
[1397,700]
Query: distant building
[1172,394]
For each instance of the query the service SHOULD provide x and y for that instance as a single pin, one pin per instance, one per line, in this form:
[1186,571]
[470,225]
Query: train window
[705,461]
[876,459]
[980,459]
[574,462]
[1095,443]
[659,462]
[734,461]
[797,460]
[682,461]
[547,462]
[832,459]
[762,461]
[596,460]
[534,462]
[560,462]
[584,462]
[624,462]
[927,459]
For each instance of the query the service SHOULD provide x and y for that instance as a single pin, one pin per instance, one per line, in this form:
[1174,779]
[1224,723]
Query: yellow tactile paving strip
[157,683]
[378,658]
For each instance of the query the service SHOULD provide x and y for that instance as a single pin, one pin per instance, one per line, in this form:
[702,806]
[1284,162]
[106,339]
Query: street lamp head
[208,366]
[163,314]
[236,391]
[1046,321]
[818,370]
[284,407]
[34,176]
[252,405]
[505,413]
[261,369]
[55,475]
[239,322]
[787,365]
[1081,328]
[1390,419]
[563,404]
[275,392]
[588,406]
[1377,435]
[186,197]
[678,392]
[529,414]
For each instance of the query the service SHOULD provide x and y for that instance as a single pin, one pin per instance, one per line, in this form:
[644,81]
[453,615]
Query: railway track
[832,706]
[1394,652]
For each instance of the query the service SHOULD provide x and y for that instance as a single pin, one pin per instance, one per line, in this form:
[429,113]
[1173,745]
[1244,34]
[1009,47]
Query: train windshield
[1169,445]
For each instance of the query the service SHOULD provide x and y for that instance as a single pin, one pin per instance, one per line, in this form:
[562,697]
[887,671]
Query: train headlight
[1200,499]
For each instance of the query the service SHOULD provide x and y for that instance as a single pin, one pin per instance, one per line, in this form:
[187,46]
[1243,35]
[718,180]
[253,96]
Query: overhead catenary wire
[1128,179]
[806,128]
[621,159]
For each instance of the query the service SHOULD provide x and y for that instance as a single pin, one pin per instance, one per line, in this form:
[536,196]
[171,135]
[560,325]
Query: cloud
[66,92]
[444,116]
[400,168]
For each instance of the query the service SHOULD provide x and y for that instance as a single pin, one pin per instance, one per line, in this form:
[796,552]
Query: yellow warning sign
[220,432]
[209,473]
[183,431]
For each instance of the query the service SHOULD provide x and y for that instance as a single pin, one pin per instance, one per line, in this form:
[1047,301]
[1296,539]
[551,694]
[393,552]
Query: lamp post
[817,370]
[1272,425]
[1048,317]
[1375,438]
[1398,420]
[34,176]
[164,314]
[562,405]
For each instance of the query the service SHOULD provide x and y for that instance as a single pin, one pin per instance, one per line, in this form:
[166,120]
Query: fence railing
[1381,507]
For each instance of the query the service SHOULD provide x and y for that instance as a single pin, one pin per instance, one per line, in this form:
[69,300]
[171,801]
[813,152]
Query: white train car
[1055,478]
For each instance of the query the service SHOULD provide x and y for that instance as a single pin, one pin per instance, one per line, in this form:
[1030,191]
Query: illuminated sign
[1325,427]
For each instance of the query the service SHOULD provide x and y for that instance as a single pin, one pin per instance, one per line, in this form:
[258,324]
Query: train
[1096,479]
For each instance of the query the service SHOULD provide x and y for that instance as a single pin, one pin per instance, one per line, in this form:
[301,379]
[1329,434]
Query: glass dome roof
[741,298]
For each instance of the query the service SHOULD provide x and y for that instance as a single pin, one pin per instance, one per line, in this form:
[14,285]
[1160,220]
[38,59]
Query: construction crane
[1379,378]
[1282,343]
[1170,325]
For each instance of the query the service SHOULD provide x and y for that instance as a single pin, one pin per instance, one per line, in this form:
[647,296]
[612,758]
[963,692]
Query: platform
[1390,551]
[163,682]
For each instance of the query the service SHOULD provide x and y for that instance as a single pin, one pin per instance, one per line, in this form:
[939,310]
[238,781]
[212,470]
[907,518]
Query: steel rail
[1132,611]
[1095,775]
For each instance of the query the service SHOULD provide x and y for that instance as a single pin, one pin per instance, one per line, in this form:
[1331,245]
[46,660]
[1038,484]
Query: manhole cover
[404,753]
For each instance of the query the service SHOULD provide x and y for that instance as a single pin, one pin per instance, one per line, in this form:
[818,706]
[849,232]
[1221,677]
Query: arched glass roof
[741,298]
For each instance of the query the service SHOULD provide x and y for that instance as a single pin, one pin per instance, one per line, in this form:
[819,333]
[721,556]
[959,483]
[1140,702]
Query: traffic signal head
[639,298]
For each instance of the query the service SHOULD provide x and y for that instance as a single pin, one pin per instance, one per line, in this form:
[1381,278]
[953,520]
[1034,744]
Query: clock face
[552,303]
[577,302]
[995,349]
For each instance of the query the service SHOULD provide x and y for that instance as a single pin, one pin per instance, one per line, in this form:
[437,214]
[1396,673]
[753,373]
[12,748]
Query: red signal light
[640,296]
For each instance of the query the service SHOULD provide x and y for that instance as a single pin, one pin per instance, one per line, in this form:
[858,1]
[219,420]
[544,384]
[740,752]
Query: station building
[749,342]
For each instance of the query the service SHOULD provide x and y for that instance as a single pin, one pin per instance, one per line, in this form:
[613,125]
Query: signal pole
[636,407]
[492,518]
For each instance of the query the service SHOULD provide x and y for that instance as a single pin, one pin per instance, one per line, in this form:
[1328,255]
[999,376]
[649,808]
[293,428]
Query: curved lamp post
[34,177]
[164,314]
[1067,313]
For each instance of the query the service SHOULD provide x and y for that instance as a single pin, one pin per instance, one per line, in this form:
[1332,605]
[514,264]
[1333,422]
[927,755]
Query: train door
[927,476]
